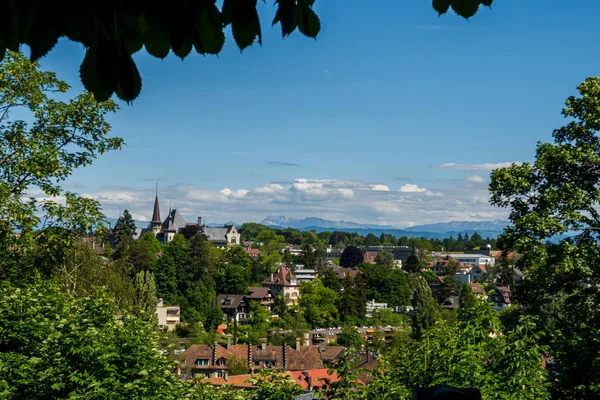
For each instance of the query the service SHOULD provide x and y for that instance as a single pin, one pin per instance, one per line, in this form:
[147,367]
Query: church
[174,223]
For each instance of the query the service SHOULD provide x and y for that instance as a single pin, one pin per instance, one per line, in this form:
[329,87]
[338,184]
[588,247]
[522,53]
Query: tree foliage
[351,257]
[38,153]
[553,205]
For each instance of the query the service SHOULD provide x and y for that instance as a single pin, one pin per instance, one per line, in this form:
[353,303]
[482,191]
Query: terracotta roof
[195,351]
[344,272]
[280,277]
[307,357]
[504,289]
[477,288]
[235,351]
[239,380]
[318,377]
[482,267]
[332,352]
[271,353]
[253,252]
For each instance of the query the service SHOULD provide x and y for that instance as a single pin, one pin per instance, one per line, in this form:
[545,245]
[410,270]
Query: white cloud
[365,202]
[476,167]
[475,179]
[380,188]
[411,188]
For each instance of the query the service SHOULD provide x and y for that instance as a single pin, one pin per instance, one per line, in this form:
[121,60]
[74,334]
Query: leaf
[245,24]
[87,73]
[465,8]
[285,16]
[210,28]
[130,85]
[441,6]
[156,41]
[309,23]
[184,49]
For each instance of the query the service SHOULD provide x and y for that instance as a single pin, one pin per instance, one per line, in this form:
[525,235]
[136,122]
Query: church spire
[156,212]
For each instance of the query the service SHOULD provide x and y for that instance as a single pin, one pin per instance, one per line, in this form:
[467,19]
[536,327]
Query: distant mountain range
[439,230]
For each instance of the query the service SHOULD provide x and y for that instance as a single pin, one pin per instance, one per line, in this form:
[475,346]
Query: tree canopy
[553,205]
[113,31]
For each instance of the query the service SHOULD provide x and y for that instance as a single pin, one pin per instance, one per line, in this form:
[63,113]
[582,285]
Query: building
[344,273]
[305,274]
[224,236]
[261,294]
[283,282]
[174,223]
[168,316]
[473,259]
[372,306]
[369,256]
[501,297]
[333,253]
[253,254]
[235,307]
[210,361]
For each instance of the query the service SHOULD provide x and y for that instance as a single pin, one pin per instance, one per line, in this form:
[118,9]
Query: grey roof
[173,222]
[229,301]
[216,234]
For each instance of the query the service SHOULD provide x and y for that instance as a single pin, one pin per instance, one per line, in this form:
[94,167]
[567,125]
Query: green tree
[307,258]
[372,240]
[349,337]
[425,311]
[351,257]
[259,315]
[44,140]
[553,210]
[214,317]
[386,284]
[318,304]
[412,264]
[352,302]
[330,279]
[145,295]
[55,345]
[386,258]
[124,228]
[236,365]
[467,298]
[235,280]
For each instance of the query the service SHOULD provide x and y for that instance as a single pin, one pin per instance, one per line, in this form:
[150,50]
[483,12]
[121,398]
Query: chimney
[263,344]
[229,341]
[250,357]
[297,344]
[284,356]
[226,376]
[214,353]
[308,379]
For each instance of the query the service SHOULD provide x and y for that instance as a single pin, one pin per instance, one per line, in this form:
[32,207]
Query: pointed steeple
[156,212]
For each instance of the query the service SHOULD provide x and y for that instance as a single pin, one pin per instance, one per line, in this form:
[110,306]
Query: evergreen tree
[351,257]
[425,310]
[145,299]
[467,297]
[124,228]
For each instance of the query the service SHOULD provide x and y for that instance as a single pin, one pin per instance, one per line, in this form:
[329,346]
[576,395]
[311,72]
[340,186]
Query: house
[234,307]
[478,290]
[305,274]
[451,302]
[372,306]
[252,253]
[283,282]
[473,259]
[478,273]
[210,361]
[501,297]
[221,237]
[168,316]
[261,294]
[343,273]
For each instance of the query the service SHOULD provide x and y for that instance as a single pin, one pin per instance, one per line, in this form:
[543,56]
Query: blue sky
[354,125]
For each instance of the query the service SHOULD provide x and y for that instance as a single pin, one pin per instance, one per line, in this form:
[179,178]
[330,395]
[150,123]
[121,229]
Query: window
[221,362]
[203,362]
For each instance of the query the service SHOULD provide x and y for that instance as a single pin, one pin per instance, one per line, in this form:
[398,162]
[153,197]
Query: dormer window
[202,362]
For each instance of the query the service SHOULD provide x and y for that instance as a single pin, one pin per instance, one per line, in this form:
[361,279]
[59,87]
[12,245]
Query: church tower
[156,223]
